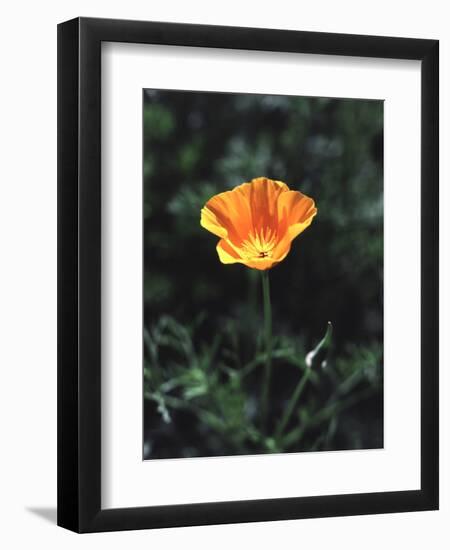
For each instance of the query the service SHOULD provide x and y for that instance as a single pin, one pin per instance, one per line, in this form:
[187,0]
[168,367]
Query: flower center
[259,244]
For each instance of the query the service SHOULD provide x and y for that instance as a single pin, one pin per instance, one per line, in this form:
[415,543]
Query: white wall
[28,271]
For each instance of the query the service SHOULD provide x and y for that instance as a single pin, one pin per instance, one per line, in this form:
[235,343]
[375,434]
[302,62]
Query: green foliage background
[203,321]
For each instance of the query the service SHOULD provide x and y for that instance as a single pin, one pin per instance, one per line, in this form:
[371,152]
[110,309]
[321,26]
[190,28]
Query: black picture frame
[79,274]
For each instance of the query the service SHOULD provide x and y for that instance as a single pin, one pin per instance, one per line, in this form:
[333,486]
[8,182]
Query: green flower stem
[292,404]
[268,341]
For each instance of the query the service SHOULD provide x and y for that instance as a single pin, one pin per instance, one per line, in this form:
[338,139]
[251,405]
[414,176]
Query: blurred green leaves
[218,395]
[159,123]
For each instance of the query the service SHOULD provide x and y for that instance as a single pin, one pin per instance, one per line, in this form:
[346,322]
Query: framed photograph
[248,274]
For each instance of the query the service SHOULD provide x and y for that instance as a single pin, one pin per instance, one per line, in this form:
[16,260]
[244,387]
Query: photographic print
[263,274]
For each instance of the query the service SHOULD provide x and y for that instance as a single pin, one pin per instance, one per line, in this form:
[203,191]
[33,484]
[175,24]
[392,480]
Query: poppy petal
[295,213]
[228,215]
[211,223]
[263,195]
[282,249]
[227,253]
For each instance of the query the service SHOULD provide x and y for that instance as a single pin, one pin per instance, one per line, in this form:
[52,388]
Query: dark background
[203,319]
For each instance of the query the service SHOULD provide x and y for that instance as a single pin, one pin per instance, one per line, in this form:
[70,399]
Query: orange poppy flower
[257,222]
